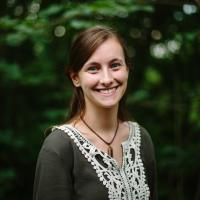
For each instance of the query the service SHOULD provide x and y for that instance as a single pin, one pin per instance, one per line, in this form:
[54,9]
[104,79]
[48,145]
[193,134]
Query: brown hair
[82,48]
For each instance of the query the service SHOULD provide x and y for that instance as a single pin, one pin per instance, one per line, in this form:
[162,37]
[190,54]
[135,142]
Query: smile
[107,91]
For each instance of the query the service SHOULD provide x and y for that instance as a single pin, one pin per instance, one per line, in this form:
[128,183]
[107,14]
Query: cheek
[123,76]
[89,81]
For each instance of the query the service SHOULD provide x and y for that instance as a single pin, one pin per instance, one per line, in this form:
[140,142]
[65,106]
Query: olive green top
[69,167]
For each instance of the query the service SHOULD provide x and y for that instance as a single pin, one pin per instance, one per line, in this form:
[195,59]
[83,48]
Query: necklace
[110,149]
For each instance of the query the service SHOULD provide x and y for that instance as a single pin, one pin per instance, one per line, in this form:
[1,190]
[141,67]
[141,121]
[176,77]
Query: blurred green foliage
[163,94]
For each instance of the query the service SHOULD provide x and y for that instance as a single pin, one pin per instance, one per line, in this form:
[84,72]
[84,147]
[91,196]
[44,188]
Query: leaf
[80,24]
[137,96]
[7,23]
[15,39]
[153,76]
[10,71]
[51,10]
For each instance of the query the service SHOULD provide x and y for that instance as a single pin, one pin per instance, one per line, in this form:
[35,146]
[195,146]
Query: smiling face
[103,78]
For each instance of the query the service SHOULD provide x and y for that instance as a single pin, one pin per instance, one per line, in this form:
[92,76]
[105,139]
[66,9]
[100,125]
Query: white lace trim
[125,183]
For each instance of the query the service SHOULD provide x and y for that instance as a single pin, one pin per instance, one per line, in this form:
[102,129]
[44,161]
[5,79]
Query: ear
[75,79]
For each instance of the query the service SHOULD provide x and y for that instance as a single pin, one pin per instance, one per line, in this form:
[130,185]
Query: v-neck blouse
[70,167]
[124,144]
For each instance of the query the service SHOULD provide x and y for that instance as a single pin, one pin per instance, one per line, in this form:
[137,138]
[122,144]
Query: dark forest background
[163,38]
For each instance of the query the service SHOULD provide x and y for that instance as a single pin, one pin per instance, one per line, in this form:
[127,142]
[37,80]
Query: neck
[102,120]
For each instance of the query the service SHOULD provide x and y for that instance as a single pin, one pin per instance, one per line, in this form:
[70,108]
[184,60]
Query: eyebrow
[116,59]
[111,61]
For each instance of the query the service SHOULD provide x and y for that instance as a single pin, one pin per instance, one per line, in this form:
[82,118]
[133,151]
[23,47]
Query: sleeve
[53,176]
[148,156]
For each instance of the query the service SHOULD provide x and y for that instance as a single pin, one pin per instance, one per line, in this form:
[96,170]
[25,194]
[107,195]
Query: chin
[108,104]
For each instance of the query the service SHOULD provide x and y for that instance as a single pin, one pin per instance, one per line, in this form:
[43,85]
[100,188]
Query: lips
[107,91]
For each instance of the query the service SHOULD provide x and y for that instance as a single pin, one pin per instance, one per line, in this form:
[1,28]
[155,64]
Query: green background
[163,93]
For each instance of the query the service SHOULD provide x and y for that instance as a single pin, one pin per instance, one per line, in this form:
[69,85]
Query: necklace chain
[110,150]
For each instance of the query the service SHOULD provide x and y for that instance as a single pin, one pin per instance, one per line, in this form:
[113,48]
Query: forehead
[108,50]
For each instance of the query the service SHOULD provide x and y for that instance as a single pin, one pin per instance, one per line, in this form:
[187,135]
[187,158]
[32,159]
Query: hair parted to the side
[81,50]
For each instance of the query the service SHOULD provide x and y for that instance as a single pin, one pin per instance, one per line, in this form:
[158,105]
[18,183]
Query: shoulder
[57,142]
[54,167]
[145,138]
[147,147]
[143,133]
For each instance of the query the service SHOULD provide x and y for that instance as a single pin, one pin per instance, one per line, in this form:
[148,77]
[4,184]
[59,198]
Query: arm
[53,179]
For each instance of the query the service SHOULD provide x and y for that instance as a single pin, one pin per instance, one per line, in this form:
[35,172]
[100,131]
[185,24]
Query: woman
[98,154]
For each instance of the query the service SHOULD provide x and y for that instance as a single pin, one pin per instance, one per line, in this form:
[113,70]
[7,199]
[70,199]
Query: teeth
[107,91]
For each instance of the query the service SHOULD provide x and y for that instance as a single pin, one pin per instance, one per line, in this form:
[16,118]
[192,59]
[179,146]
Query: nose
[106,77]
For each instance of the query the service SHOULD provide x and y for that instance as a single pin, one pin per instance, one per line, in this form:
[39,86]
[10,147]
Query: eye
[115,65]
[92,69]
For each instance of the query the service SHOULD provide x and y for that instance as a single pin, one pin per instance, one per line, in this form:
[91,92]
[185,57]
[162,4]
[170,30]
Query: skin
[103,79]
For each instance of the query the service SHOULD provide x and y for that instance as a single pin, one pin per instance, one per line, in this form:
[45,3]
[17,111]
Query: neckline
[123,144]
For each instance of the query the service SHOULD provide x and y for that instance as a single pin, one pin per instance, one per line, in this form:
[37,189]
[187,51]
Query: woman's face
[103,78]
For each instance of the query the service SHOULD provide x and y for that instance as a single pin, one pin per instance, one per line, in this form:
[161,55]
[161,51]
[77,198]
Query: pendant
[110,151]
